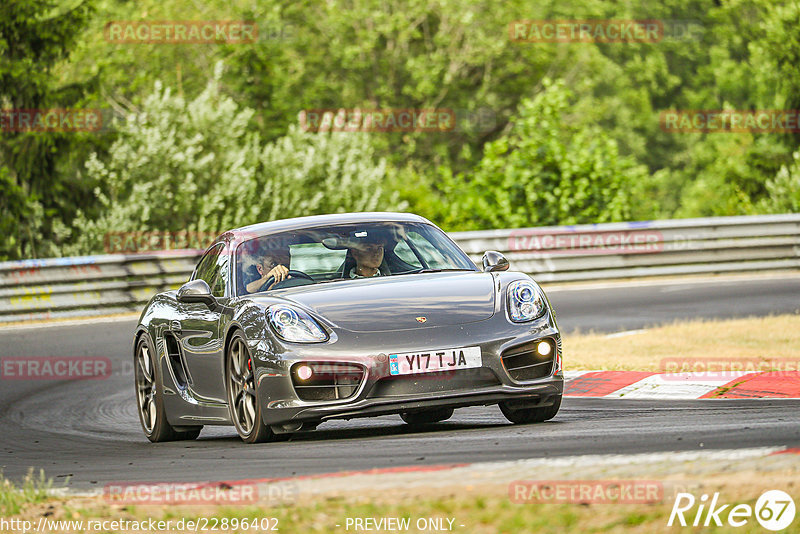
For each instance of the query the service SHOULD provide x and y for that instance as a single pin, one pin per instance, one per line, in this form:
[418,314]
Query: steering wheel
[271,279]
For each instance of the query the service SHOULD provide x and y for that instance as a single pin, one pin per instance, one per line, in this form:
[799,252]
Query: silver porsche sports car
[286,324]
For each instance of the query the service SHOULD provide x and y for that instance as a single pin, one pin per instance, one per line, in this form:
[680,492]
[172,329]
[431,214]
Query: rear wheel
[150,397]
[427,416]
[524,416]
[243,402]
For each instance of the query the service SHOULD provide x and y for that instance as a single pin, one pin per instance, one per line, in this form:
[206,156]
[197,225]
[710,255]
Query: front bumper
[380,393]
[541,394]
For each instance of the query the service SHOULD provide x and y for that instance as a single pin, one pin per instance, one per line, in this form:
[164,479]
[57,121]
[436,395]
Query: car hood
[400,302]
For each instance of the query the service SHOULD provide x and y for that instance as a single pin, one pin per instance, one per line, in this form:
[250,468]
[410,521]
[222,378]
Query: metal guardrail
[91,285]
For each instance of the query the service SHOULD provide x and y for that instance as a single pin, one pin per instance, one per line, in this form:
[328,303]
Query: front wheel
[524,416]
[243,402]
[150,397]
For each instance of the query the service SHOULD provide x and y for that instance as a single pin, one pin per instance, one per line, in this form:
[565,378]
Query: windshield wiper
[331,280]
[416,271]
[431,270]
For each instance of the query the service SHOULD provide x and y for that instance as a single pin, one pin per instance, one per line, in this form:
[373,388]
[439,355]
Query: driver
[273,262]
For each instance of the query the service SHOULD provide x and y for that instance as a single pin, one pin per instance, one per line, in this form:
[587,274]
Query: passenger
[369,257]
[273,262]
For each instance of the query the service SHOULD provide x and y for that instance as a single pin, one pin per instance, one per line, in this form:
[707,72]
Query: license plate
[432,361]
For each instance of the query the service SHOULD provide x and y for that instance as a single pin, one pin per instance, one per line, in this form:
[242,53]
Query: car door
[199,328]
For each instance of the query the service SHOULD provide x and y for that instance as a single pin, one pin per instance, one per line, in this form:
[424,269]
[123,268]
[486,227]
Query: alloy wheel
[241,385]
[146,388]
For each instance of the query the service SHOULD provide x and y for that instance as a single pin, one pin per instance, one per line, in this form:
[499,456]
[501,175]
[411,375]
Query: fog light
[544,348]
[304,372]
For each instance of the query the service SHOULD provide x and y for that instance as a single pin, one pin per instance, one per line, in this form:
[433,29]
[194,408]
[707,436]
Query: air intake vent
[525,362]
[175,361]
[326,381]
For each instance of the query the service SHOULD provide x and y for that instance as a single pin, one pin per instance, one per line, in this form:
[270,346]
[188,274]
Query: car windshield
[344,253]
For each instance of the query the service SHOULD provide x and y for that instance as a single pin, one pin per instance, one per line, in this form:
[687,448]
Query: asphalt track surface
[88,432]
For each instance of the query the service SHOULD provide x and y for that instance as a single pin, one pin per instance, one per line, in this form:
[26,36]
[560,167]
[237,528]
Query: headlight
[525,301]
[292,324]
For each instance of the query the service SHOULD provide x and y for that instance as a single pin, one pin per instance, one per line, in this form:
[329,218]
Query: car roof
[298,223]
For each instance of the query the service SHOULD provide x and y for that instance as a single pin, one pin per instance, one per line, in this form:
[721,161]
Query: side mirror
[197,291]
[494,261]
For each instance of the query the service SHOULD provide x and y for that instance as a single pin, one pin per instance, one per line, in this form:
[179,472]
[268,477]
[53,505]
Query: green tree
[37,200]
[549,169]
[746,63]
[737,54]
[181,164]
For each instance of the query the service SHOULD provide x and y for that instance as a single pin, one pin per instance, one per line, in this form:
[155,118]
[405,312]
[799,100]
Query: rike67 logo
[774,510]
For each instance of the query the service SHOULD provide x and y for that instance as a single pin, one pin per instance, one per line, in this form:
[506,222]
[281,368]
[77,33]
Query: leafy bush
[195,165]
[550,168]
[784,189]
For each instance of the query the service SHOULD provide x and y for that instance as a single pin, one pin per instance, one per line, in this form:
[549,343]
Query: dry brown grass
[762,338]
[481,510]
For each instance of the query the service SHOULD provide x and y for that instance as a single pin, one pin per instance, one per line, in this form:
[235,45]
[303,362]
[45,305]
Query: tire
[427,416]
[243,404]
[524,416]
[149,384]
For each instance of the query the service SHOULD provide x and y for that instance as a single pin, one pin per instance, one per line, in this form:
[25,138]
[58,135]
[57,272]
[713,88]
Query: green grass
[32,490]
[479,513]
